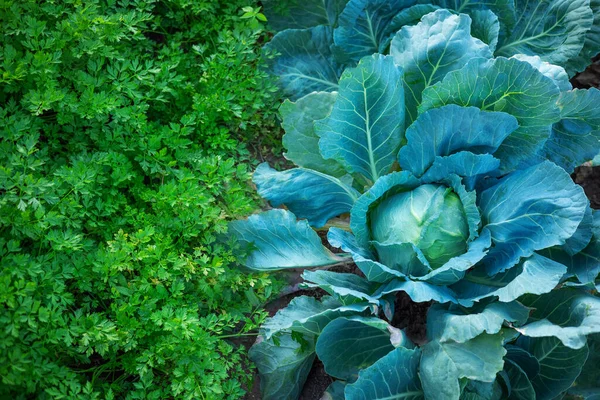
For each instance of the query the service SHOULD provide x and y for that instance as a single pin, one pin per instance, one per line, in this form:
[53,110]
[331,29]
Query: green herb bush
[120,164]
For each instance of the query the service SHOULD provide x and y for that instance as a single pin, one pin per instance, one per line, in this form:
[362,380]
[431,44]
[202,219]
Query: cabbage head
[430,217]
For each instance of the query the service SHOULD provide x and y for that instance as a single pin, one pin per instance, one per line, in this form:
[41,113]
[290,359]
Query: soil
[590,77]
[411,317]
[589,179]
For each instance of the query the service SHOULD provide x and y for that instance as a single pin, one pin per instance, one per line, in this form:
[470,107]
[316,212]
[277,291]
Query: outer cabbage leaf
[301,14]
[553,29]
[394,376]
[486,27]
[346,288]
[419,292]
[364,26]
[439,44]
[305,62]
[528,363]
[461,326]
[505,9]
[535,275]
[529,210]
[366,127]
[344,240]
[520,385]
[584,233]
[567,314]
[590,375]
[585,265]
[409,16]
[307,315]
[376,271]
[312,195]
[509,85]
[464,163]
[348,345]
[444,364]
[447,130]
[300,139]
[335,391]
[576,138]
[279,241]
[283,369]
[591,46]
[554,72]
[475,390]
[585,394]
[559,365]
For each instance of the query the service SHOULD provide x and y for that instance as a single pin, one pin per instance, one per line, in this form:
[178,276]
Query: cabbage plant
[443,173]
[509,259]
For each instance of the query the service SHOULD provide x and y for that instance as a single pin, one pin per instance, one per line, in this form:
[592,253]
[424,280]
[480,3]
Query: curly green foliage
[119,138]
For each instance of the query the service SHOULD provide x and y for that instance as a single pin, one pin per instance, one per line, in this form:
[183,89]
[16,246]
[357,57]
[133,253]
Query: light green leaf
[359,216]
